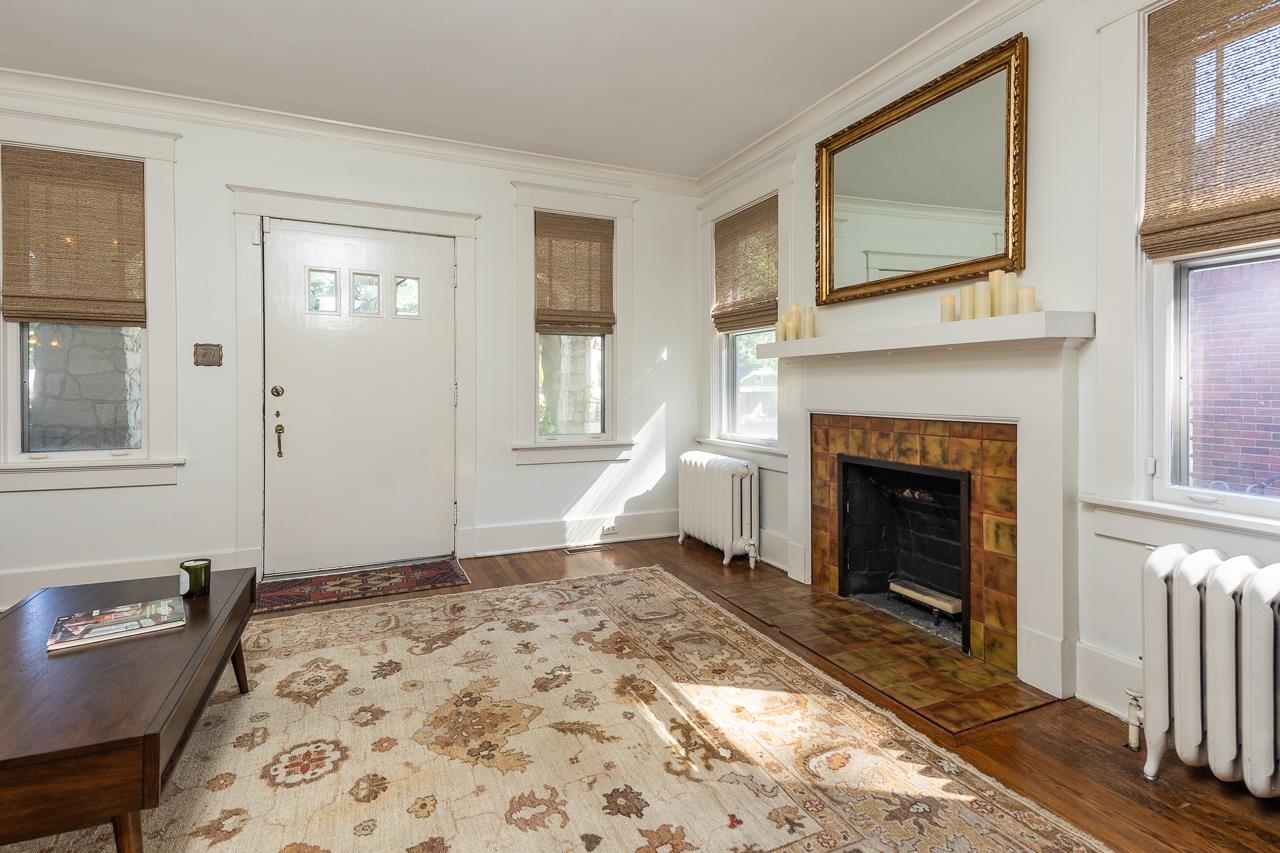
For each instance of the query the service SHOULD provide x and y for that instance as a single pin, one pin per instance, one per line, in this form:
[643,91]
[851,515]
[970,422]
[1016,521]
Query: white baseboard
[797,563]
[773,549]
[1102,677]
[16,585]
[492,539]
[1052,672]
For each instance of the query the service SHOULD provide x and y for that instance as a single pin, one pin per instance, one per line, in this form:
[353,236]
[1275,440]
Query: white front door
[358,396]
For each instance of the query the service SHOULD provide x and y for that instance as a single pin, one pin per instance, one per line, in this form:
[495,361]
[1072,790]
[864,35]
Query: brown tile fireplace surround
[989,452]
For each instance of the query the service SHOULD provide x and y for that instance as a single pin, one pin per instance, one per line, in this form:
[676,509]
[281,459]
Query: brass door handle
[279,439]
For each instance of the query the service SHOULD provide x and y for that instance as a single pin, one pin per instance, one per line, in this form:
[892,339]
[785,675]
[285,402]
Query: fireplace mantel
[1054,328]
[1018,370]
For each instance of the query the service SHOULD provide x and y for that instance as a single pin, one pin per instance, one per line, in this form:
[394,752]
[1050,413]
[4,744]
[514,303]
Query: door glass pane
[366,294]
[1233,362]
[81,388]
[570,385]
[406,296]
[322,291]
[754,403]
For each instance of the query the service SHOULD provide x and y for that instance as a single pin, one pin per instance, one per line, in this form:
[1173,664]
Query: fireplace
[903,529]
[988,453]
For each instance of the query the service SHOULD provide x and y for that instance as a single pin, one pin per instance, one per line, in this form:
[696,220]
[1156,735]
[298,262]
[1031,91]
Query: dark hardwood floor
[1067,756]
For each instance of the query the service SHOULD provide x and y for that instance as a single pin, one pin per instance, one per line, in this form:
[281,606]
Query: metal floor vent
[587,549]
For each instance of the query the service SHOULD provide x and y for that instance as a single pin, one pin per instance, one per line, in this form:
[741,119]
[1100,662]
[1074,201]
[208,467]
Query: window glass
[322,291]
[570,385]
[752,392]
[81,387]
[1227,419]
[406,296]
[366,294]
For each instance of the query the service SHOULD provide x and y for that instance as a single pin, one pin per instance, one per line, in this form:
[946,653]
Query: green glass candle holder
[194,580]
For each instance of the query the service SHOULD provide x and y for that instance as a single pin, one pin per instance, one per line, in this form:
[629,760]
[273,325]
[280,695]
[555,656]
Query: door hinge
[455,395]
[455,276]
[1149,466]
[257,236]
[455,513]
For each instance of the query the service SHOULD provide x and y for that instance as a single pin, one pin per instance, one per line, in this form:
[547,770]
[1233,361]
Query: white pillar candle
[808,327]
[793,330]
[982,300]
[780,330]
[948,309]
[1009,295]
[793,313]
[966,302]
[995,283]
[1026,300]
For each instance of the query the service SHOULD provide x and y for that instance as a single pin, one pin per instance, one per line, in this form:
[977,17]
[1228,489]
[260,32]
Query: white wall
[112,532]
[1062,138]
[1083,203]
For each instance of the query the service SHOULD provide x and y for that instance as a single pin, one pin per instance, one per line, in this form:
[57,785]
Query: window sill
[765,456]
[1192,515]
[44,476]
[560,452]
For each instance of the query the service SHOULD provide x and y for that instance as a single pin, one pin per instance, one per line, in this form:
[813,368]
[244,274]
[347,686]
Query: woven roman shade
[573,274]
[747,268]
[1213,126]
[72,238]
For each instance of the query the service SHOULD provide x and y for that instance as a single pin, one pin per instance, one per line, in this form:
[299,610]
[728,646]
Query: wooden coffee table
[90,735]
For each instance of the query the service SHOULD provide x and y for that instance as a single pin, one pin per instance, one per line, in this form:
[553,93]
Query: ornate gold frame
[1010,55]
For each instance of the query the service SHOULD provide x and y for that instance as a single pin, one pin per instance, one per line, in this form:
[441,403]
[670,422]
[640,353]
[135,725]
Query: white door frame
[249,205]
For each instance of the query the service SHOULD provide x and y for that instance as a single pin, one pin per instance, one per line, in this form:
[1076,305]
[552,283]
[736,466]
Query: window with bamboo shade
[573,270]
[73,238]
[1212,126]
[746,268]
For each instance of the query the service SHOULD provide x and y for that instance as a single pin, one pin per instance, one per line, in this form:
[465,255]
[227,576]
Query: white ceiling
[675,86]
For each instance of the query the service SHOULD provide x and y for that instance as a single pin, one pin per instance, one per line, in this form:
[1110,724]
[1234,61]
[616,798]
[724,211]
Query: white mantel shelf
[1059,328]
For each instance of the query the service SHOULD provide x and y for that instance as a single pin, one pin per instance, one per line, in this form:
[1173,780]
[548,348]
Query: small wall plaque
[208,355]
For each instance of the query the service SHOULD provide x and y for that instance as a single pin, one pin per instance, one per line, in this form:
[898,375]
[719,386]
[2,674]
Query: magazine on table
[128,620]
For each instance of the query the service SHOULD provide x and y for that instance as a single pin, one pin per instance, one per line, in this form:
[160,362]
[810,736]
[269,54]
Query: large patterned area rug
[619,712]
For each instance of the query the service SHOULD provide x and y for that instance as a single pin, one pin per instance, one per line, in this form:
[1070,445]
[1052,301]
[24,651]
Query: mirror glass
[929,189]
[926,192]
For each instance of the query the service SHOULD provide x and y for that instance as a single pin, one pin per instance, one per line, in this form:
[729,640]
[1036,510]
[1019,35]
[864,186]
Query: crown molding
[143,102]
[971,24]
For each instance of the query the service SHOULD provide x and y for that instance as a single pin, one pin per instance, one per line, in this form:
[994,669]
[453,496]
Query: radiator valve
[1135,718]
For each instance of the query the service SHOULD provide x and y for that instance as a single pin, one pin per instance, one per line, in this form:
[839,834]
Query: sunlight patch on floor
[749,718]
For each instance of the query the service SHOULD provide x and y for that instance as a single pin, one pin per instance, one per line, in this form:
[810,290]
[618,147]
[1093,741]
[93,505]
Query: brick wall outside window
[1233,337]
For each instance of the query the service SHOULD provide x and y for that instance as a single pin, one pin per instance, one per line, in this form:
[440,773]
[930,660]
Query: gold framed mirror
[930,189]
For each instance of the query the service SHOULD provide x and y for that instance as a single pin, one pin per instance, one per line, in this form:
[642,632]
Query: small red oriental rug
[289,593]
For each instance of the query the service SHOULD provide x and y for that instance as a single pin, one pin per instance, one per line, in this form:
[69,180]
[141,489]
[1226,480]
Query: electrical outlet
[609,530]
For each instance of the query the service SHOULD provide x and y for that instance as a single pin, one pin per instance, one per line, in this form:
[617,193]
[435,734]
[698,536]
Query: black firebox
[906,523]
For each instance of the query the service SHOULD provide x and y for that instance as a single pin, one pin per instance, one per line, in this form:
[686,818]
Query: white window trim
[157,461]
[777,179]
[768,458]
[1165,350]
[527,447]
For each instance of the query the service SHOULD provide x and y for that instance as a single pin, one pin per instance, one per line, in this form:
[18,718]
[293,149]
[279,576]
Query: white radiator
[1209,664]
[720,503]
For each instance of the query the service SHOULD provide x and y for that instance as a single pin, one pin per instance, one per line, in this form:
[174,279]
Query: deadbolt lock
[277,391]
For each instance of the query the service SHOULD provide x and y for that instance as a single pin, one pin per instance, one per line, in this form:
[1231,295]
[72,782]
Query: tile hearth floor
[936,680]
